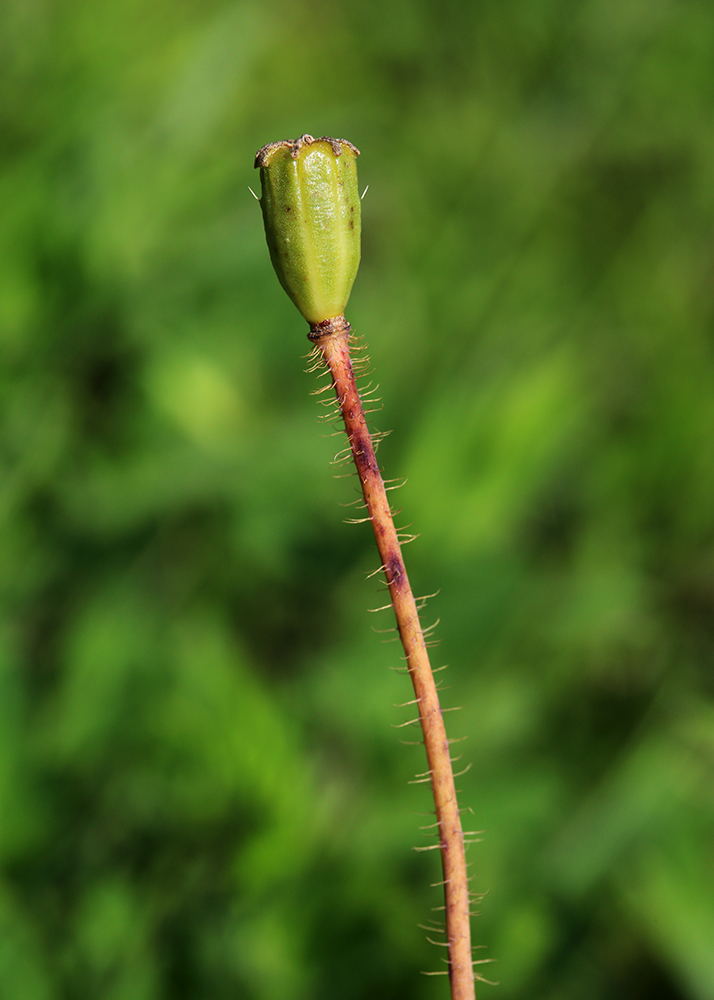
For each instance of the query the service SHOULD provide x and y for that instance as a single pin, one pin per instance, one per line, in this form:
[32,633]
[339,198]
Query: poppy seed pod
[311,213]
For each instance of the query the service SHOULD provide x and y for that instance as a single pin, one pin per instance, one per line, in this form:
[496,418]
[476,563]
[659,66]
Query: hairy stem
[331,338]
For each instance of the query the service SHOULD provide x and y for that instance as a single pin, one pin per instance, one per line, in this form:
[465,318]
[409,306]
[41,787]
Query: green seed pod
[311,212]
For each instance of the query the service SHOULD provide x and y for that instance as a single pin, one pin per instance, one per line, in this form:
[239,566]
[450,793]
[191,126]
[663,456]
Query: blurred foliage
[202,794]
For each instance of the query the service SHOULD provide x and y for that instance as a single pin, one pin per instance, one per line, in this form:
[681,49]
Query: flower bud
[311,212]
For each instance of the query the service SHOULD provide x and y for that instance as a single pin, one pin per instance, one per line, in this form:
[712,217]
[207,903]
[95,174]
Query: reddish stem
[332,340]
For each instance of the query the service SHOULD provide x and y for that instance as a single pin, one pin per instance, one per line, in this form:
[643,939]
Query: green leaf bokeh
[202,794]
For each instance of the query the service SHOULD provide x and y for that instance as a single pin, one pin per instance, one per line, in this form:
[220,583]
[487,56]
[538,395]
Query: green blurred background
[202,794]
